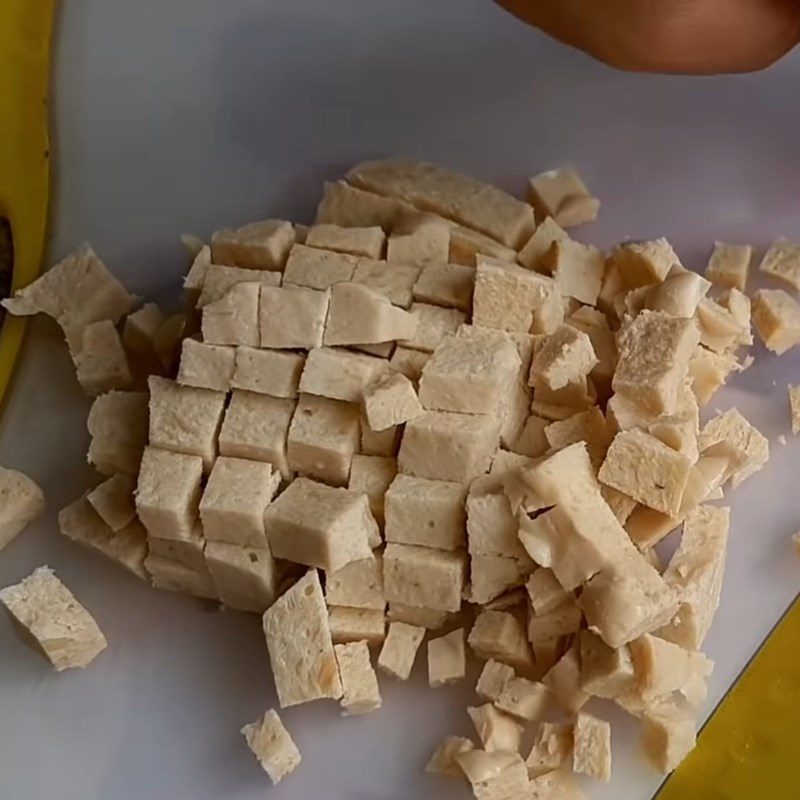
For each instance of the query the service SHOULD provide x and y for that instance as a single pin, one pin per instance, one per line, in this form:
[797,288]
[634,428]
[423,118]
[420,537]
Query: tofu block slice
[523,699]
[317,269]
[533,254]
[782,261]
[644,263]
[448,446]
[267,372]
[299,643]
[433,325]
[592,747]
[272,745]
[390,400]
[400,650]
[233,319]
[373,475]
[394,281]
[578,269]
[499,635]
[112,500]
[776,317]
[360,693]
[21,502]
[256,427]
[562,195]
[292,317]
[220,279]
[605,671]
[563,358]
[257,246]
[464,200]
[446,659]
[446,285]
[206,366]
[245,578]
[60,626]
[493,679]
[322,438]
[730,435]
[100,360]
[168,493]
[794,407]
[443,758]
[669,734]
[497,731]
[366,242]
[357,625]
[424,577]
[551,749]
[494,775]
[360,315]
[729,265]
[184,419]
[358,584]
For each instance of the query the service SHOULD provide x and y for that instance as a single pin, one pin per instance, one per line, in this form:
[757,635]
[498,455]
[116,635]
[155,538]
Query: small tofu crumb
[272,746]
[446,659]
[782,261]
[776,317]
[400,649]
[592,748]
[360,693]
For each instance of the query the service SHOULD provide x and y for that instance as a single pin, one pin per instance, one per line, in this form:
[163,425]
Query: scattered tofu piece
[591,753]
[373,475]
[409,362]
[589,426]
[21,501]
[112,500]
[731,436]
[256,246]
[245,578]
[720,330]
[233,319]
[206,366]
[447,285]
[545,592]
[366,242]
[357,625]
[400,649]
[794,407]
[272,746]
[644,263]
[708,371]
[776,317]
[782,261]
[360,693]
[551,749]
[267,372]
[605,671]
[564,620]
[314,524]
[448,446]
[358,584]
[533,254]
[430,618]
[393,281]
[564,682]
[446,659]
[443,759]
[220,279]
[499,635]
[118,426]
[292,317]
[492,526]
[494,775]
[360,315]
[566,356]
[493,679]
[390,400]
[492,576]
[562,195]
[523,699]
[669,734]
[729,265]
[424,577]
[299,643]
[340,374]
[497,731]
[433,325]
[100,360]
[578,269]
[322,438]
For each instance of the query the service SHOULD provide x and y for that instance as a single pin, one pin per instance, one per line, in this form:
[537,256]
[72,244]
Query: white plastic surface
[187,115]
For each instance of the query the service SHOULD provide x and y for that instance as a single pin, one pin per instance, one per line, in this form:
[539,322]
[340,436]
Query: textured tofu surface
[21,501]
[272,746]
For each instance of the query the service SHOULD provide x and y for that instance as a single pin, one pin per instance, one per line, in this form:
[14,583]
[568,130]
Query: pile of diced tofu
[435,414]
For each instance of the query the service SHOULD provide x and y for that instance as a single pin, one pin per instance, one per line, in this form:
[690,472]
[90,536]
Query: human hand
[675,36]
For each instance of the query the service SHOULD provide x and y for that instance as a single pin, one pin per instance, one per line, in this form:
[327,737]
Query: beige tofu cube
[564,620]
[492,526]
[562,195]
[578,269]
[446,659]
[360,693]
[491,576]
[595,325]
[551,749]
[443,759]
[589,426]
[112,500]
[292,317]
[605,671]
[100,360]
[188,552]
[497,731]
[523,699]
[220,279]
[179,576]
[494,775]
[644,263]
[340,374]
[312,268]
[299,643]
[206,366]
[424,239]
[380,443]
[493,679]
[21,501]
[446,285]
[233,319]
[782,261]
[433,325]
[272,745]
[429,618]
[545,592]
[61,627]
[730,435]
[358,584]
[366,242]
[168,493]
[533,254]
[390,400]
[729,265]
[669,734]
[592,747]
[245,578]
[499,635]
[348,206]
[258,245]
[322,438]
[563,358]
[425,512]
[357,625]
[359,315]
[409,362]
[794,407]
[424,577]
[654,353]
[393,281]
[267,372]
[564,682]
[372,475]
[400,650]
[776,317]
[448,446]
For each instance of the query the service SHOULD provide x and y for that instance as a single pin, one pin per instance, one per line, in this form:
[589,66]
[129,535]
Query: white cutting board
[187,115]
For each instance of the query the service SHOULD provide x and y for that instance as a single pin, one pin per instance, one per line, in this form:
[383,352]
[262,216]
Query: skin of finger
[677,36]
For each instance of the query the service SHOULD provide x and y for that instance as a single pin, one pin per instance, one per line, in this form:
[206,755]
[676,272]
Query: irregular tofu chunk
[360,693]
[373,475]
[605,671]
[220,279]
[679,295]
[258,245]
[782,261]
[233,319]
[400,649]
[340,374]
[322,438]
[564,682]
[532,441]
[267,372]
[491,576]
[533,254]
[493,679]
[314,524]
[776,317]
[292,317]
[492,526]
[564,620]
[564,357]
[272,745]
[61,627]
[708,371]
[669,734]
[545,592]
[443,759]
[206,366]
[644,263]
[578,269]
[433,325]
[498,732]
[448,446]
[112,500]
[499,635]
[358,584]
[424,577]
[794,407]
[409,363]
[523,699]
[562,195]
[494,775]
[429,618]
[357,625]
[299,643]
[446,659]
[355,241]
[245,578]
[21,501]
[729,265]
[390,400]
[551,749]
[588,426]
[394,281]
[256,427]
[117,424]
[100,361]
[359,315]
[185,419]
[592,747]
[731,436]
[654,353]
[423,240]
[447,285]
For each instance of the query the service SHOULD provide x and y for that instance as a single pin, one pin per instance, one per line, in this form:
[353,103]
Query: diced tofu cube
[272,745]
[447,285]
[605,671]
[233,319]
[355,241]
[292,317]
[340,374]
[669,735]
[564,620]
[776,317]
[564,682]
[21,501]
[551,749]
[424,577]
[179,576]
[564,357]
[357,625]
[267,372]
[112,500]
[206,366]
[360,693]
[443,762]
[729,265]
[562,195]
[578,269]
[393,281]
[360,315]
[258,245]
[494,775]
[782,261]
[358,584]
[492,526]
[499,635]
[523,699]
[545,592]
[100,359]
[422,240]
[317,269]
[533,255]
[433,324]
[592,748]
[644,263]
[493,679]
[498,732]
[373,475]
[390,400]
[409,362]
[446,659]
[731,436]
[492,576]
[220,279]
[400,650]
[322,438]
[244,577]
[380,443]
